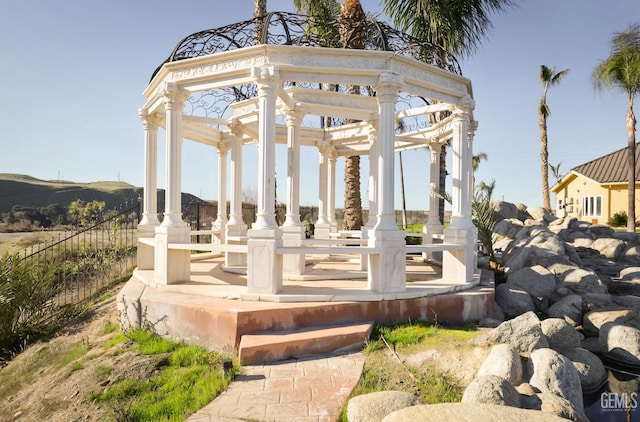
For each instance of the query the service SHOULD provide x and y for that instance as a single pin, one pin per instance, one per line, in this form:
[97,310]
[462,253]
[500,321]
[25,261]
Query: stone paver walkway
[304,390]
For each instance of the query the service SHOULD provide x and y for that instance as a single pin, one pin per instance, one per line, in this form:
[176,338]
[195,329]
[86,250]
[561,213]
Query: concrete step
[279,345]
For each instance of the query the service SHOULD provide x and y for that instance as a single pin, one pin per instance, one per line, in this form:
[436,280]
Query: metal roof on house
[611,168]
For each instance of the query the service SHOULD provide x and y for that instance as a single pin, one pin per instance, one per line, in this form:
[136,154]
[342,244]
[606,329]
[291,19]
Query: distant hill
[18,189]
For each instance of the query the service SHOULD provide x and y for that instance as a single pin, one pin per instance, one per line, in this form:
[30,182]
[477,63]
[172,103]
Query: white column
[292,229]
[236,230]
[433,226]
[173,105]
[372,137]
[235,198]
[267,79]
[221,219]
[172,265]
[322,227]
[149,221]
[374,155]
[264,264]
[387,268]
[294,122]
[332,156]
[458,266]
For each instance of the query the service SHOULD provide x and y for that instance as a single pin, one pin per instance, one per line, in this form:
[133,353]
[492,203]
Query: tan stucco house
[596,190]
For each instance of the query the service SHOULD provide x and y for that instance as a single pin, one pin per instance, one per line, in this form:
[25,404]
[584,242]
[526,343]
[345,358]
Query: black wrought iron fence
[86,260]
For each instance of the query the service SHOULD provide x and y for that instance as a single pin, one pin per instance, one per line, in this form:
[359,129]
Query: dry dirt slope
[54,380]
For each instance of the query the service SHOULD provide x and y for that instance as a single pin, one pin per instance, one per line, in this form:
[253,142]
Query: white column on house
[458,266]
[387,270]
[264,264]
[172,265]
[292,229]
[221,219]
[236,229]
[149,221]
[433,226]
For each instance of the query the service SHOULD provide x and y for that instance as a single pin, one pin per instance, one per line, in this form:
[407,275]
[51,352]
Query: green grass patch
[193,378]
[103,372]
[111,327]
[400,336]
[116,339]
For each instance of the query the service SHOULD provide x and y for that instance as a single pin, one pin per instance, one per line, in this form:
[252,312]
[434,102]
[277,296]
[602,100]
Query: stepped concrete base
[274,346]
[183,312]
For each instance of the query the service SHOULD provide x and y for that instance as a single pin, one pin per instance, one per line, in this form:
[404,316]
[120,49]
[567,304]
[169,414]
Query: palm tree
[548,78]
[622,70]
[456,25]
[259,12]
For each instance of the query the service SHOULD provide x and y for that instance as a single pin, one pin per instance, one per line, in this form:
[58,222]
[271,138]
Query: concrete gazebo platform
[231,91]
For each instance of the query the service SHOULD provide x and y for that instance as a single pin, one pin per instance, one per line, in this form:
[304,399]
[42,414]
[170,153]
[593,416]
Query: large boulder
[609,247]
[579,280]
[491,389]
[513,301]
[373,407]
[594,320]
[468,412]
[560,334]
[504,210]
[559,406]
[590,368]
[537,213]
[553,373]
[503,361]
[620,342]
[523,333]
[568,308]
[539,282]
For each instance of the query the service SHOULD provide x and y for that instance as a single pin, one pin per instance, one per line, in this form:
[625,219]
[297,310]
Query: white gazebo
[262,90]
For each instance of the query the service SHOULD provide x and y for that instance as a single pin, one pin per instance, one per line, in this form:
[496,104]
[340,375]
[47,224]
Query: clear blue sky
[72,74]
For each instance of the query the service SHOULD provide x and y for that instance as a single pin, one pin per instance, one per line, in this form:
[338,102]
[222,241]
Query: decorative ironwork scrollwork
[282,28]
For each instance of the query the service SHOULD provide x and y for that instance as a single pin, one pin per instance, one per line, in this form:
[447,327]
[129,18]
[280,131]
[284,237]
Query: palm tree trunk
[631,153]
[259,12]
[352,35]
[544,160]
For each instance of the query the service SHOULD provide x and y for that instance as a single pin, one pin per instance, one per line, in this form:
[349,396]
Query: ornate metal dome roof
[282,28]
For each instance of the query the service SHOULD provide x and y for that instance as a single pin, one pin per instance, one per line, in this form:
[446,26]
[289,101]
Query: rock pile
[572,292]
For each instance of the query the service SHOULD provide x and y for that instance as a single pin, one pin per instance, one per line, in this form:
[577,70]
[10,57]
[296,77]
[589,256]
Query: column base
[458,265]
[387,269]
[428,232]
[172,265]
[145,252]
[322,231]
[235,259]
[293,264]
[264,265]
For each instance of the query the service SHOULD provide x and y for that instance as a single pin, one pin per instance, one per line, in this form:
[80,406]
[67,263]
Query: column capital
[222,148]
[173,96]
[388,85]
[465,105]
[294,117]
[149,122]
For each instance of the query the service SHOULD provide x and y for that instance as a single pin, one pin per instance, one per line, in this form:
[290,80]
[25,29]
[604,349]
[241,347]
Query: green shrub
[28,309]
[618,219]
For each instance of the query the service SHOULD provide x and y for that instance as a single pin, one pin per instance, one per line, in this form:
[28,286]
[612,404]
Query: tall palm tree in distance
[548,78]
[457,26]
[621,70]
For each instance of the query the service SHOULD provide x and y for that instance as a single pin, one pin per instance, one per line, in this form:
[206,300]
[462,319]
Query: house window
[592,206]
